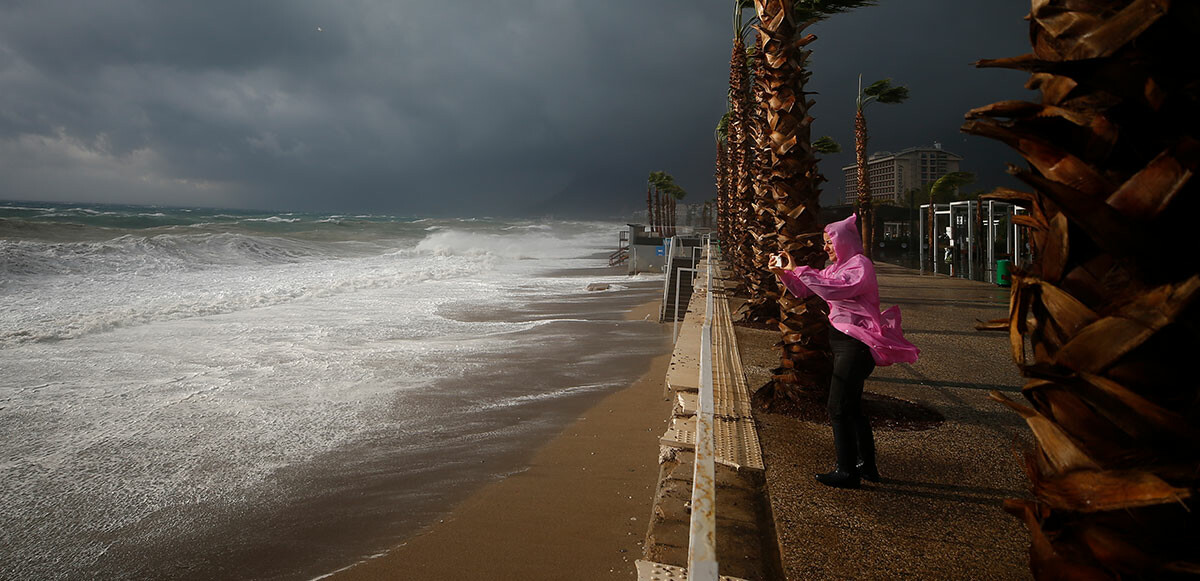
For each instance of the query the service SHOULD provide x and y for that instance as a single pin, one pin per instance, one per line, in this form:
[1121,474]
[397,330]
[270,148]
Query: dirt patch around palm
[884,411]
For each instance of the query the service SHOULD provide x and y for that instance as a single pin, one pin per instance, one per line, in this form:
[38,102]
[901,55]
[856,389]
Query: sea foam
[148,372]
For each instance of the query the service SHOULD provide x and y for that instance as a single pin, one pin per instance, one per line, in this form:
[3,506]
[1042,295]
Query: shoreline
[552,518]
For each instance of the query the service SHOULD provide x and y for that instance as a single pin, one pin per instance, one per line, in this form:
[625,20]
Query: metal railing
[662,311]
[702,540]
[675,321]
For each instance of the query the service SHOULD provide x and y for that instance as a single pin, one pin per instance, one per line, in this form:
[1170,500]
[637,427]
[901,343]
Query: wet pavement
[938,512]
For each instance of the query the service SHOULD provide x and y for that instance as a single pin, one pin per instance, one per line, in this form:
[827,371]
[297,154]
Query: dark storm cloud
[927,46]
[451,107]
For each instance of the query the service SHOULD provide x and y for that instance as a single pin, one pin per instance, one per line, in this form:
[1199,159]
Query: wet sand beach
[578,511]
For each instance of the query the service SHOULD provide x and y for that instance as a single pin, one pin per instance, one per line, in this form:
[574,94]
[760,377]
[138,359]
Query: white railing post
[702,542]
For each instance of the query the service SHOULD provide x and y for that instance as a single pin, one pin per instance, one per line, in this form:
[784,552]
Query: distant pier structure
[675,256]
[649,251]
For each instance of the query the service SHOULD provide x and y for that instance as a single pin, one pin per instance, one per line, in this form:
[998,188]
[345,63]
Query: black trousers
[852,437]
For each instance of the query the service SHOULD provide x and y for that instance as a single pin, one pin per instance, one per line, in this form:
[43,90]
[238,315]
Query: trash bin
[1003,272]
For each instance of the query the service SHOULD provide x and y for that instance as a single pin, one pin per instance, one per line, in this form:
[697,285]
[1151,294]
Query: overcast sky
[448,107]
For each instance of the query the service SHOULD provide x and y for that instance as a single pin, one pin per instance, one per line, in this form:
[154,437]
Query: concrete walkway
[937,514]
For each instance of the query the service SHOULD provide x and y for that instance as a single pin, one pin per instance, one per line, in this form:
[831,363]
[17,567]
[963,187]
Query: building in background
[893,174]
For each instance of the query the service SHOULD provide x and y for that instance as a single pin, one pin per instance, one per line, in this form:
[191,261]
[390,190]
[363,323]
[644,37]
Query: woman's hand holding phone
[779,263]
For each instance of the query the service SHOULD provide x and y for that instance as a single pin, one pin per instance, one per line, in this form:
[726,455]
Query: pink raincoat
[850,288]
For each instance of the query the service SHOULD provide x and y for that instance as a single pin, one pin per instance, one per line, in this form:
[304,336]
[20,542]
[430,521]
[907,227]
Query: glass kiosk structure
[967,238]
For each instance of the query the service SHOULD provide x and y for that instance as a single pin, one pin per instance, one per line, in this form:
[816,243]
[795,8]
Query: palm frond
[884,92]
[893,95]
[880,86]
[826,144]
[806,10]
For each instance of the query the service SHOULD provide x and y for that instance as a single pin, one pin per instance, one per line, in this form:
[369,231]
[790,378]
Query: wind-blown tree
[675,194]
[1104,322]
[664,184]
[883,92]
[946,189]
[940,191]
[654,181]
[791,193]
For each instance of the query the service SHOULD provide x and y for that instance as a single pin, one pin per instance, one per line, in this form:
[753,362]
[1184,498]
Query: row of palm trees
[768,183]
[1103,325]
[661,205]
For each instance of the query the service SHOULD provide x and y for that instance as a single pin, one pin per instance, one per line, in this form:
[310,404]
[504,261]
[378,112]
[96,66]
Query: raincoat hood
[846,241]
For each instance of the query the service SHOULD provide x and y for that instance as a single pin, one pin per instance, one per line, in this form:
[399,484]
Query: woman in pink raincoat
[860,336]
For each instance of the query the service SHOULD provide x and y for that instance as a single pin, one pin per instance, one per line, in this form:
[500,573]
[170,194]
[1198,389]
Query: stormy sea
[198,393]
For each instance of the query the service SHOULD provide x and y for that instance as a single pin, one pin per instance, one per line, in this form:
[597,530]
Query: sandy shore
[579,511]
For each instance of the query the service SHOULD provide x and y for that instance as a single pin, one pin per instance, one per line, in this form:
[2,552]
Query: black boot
[866,449]
[839,479]
[868,471]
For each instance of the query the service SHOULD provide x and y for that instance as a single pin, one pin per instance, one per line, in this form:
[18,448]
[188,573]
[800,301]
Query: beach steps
[745,540]
[678,303]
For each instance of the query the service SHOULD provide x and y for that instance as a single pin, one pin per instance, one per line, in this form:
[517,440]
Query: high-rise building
[893,174]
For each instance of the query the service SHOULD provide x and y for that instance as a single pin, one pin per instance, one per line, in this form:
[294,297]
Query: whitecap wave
[537,397]
[130,303]
[519,246]
[130,254]
[274,220]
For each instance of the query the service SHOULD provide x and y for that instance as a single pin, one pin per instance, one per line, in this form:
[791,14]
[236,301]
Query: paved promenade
[937,514]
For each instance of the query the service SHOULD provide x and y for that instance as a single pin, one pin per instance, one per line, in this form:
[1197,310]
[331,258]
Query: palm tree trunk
[763,287]
[741,253]
[657,211]
[792,197]
[1103,323]
[721,191]
[649,210]
[932,232]
[866,214]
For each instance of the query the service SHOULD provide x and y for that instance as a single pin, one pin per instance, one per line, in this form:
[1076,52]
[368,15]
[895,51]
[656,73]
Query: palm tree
[665,186]
[1104,323]
[758,283]
[677,194]
[723,174]
[790,193]
[649,208]
[654,181]
[763,305]
[883,92]
[738,151]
